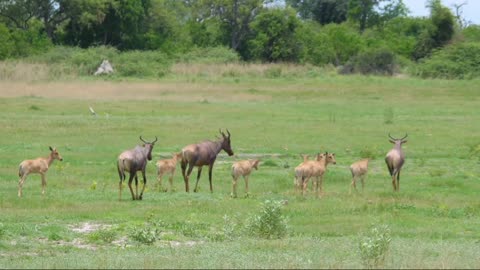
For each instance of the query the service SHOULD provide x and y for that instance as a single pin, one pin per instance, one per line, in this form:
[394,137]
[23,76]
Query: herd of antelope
[205,154]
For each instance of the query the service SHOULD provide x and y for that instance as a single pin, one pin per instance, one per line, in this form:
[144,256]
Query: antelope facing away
[313,168]
[359,170]
[201,154]
[132,161]
[395,159]
[242,168]
[39,165]
[165,166]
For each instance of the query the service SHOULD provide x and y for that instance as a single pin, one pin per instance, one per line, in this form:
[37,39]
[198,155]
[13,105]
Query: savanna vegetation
[275,76]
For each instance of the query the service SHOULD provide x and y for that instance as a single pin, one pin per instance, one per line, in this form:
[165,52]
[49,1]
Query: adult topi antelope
[201,154]
[359,170]
[39,165]
[132,161]
[242,168]
[395,159]
[167,166]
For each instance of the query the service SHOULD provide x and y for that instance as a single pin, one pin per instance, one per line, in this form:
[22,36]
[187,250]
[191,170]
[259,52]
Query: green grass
[433,219]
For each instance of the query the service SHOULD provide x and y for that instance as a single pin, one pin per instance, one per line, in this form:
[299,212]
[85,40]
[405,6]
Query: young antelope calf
[242,168]
[39,165]
[314,168]
[359,170]
[167,166]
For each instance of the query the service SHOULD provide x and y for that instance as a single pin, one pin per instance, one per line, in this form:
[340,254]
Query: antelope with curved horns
[395,159]
[204,153]
[132,161]
[39,165]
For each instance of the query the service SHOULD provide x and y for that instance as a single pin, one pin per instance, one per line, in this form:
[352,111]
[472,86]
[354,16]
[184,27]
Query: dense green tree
[232,16]
[273,36]
[6,42]
[444,22]
[322,11]
[369,13]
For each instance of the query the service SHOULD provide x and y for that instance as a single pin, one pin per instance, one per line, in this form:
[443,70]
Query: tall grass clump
[374,246]
[269,223]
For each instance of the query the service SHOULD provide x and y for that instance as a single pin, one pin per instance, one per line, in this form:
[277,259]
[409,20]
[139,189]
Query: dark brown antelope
[242,168]
[395,159]
[165,166]
[132,161]
[359,170]
[203,154]
[39,165]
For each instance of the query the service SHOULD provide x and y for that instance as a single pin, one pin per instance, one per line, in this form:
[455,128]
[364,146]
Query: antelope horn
[156,139]
[142,139]
[391,137]
[223,134]
[406,135]
[228,133]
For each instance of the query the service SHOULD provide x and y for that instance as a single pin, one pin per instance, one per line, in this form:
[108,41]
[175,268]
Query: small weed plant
[374,246]
[270,223]
[147,234]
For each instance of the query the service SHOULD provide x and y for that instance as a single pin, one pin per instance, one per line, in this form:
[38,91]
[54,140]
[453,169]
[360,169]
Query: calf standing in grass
[39,165]
[359,170]
[242,168]
[168,166]
[313,168]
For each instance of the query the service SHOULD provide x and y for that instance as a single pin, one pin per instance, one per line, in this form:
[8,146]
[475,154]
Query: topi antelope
[167,166]
[395,159]
[204,153]
[132,161]
[39,165]
[313,168]
[242,168]
[359,170]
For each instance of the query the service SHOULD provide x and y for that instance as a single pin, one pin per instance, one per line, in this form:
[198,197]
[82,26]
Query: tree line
[318,32]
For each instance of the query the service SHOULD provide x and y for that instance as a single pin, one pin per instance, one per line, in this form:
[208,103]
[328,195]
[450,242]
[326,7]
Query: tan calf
[168,166]
[359,170]
[313,168]
[242,168]
[39,165]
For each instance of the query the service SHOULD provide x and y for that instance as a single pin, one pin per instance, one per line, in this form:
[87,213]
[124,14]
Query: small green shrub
[269,223]
[374,246]
[147,233]
[3,231]
[102,235]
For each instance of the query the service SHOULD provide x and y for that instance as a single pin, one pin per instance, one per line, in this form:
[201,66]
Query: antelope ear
[404,141]
[51,149]
[392,141]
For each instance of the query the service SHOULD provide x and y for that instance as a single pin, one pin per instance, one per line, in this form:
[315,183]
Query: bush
[374,246]
[210,55]
[457,61]
[270,223]
[377,61]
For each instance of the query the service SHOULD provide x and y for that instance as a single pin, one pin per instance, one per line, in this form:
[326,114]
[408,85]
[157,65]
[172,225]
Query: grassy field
[79,223]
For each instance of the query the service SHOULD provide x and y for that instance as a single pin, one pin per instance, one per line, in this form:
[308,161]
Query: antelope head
[226,146]
[55,154]
[149,146]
